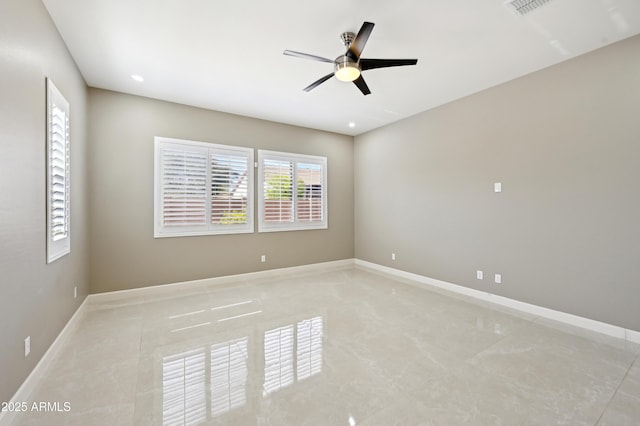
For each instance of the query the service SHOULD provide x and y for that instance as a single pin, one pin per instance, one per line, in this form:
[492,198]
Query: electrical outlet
[479,275]
[75,292]
[393,256]
[263,258]
[498,279]
[27,346]
[497,187]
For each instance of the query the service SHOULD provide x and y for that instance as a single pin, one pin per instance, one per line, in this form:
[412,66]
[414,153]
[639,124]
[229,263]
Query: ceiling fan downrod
[347,38]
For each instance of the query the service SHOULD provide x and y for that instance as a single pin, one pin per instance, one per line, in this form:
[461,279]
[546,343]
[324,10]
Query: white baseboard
[156,290]
[24,391]
[633,336]
[574,320]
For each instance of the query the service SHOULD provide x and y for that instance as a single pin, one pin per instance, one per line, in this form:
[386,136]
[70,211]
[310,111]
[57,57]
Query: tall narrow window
[293,191]
[58,168]
[202,188]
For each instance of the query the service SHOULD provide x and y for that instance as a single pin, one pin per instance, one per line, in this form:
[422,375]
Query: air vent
[522,7]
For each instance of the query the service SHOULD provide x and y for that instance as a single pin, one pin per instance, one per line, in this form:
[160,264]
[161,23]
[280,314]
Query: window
[58,167]
[293,191]
[202,188]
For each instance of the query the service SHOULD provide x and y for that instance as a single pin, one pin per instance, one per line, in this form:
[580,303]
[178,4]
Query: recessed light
[352,124]
[137,78]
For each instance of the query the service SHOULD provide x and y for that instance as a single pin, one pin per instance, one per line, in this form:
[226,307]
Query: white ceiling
[227,55]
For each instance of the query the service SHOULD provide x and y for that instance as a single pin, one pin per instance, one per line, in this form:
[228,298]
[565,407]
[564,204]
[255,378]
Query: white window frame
[160,230]
[294,225]
[58,175]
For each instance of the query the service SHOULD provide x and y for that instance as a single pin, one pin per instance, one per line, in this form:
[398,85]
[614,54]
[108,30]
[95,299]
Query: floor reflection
[279,347]
[229,372]
[184,388]
[212,380]
[278,359]
[309,349]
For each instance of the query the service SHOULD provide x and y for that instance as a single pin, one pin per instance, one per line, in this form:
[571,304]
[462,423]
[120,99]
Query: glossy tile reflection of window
[279,347]
[309,349]
[228,375]
[278,359]
[183,389]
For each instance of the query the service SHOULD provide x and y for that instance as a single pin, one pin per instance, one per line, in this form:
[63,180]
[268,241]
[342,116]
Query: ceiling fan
[348,67]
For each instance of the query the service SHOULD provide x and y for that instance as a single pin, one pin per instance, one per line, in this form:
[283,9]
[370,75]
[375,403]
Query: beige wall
[565,231]
[124,253]
[36,299]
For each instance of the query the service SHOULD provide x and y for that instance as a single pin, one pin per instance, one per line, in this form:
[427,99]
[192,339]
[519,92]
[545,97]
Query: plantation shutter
[309,178]
[202,188]
[229,187]
[277,191]
[58,181]
[294,191]
[184,187]
[59,156]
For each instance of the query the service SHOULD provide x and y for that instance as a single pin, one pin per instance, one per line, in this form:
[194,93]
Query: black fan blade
[317,83]
[362,85]
[369,64]
[307,56]
[356,48]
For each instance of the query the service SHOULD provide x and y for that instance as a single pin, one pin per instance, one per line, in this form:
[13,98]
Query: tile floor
[338,347]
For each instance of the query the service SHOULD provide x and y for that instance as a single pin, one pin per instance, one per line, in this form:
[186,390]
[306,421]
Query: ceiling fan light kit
[346,69]
[349,67]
